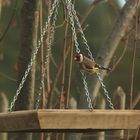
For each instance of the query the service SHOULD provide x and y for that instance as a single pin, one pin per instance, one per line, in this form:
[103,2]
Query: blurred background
[97,26]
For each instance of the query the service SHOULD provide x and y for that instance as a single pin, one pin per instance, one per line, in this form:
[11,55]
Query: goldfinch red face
[79,58]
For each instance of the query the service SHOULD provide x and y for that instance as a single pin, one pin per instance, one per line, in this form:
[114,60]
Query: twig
[48,46]
[55,81]
[122,55]
[62,98]
[53,61]
[90,9]
[128,32]
[70,72]
[136,100]
[133,62]
[7,77]
[137,133]
[116,8]
[133,59]
[107,51]
[61,25]
[10,21]
[132,28]
[43,103]
[34,40]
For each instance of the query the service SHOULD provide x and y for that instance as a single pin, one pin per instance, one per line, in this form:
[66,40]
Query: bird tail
[102,67]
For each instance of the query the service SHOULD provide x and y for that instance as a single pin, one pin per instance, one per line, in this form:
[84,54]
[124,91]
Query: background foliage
[97,27]
[99,23]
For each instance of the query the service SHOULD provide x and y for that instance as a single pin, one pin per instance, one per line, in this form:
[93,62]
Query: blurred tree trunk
[118,32]
[25,99]
[108,49]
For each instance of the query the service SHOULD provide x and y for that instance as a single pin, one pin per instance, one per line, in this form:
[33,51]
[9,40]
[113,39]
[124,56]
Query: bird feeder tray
[54,120]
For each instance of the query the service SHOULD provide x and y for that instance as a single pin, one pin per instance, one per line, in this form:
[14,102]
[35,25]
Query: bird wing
[88,62]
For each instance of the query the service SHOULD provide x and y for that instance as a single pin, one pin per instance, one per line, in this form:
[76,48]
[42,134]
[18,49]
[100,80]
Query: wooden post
[119,100]
[102,105]
[3,108]
[73,136]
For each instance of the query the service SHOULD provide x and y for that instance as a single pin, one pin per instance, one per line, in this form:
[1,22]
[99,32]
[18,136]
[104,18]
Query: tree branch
[118,32]
[10,22]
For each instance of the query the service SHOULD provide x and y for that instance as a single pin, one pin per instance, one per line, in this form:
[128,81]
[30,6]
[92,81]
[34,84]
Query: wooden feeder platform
[55,120]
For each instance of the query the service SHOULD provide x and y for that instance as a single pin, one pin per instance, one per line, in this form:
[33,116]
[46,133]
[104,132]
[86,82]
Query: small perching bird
[88,65]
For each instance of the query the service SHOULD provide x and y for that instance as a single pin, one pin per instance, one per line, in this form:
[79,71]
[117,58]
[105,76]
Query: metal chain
[47,56]
[106,93]
[69,8]
[42,81]
[33,57]
[90,106]
[81,31]
[72,25]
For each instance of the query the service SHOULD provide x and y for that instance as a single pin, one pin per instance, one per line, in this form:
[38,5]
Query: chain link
[47,56]
[106,93]
[71,12]
[82,33]
[72,25]
[90,106]
[32,58]
[69,8]
[42,81]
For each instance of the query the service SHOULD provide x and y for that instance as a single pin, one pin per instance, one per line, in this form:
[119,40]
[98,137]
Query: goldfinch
[88,65]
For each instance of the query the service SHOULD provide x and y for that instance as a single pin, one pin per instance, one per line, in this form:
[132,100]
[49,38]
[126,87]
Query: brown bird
[88,65]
